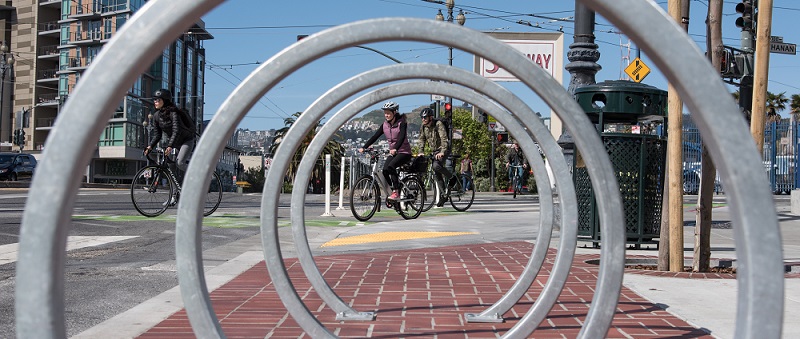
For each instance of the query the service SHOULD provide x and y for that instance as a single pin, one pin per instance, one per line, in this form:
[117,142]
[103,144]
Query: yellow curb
[389,236]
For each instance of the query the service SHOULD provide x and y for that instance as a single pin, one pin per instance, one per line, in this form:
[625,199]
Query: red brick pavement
[424,293]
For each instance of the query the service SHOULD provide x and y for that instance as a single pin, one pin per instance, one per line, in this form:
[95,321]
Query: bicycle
[516,180]
[461,199]
[365,196]
[155,188]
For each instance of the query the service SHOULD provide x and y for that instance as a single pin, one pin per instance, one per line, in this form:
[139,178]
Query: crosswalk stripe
[10,253]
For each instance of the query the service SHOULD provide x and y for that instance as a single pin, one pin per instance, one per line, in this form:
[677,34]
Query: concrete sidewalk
[423,287]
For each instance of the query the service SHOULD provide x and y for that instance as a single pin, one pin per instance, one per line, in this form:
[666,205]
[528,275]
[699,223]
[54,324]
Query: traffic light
[448,110]
[435,109]
[747,22]
[727,63]
[502,138]
[19,137]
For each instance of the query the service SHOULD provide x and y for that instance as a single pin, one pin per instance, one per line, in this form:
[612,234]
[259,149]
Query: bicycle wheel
[514,184]
[412,198]
[151,191]
[214,195]
[364,198]
[461,199]
[429,183]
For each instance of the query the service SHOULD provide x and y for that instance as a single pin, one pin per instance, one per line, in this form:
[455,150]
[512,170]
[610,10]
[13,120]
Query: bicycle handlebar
[158,150]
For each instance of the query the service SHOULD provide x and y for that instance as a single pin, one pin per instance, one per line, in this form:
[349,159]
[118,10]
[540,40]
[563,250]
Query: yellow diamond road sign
[637,70]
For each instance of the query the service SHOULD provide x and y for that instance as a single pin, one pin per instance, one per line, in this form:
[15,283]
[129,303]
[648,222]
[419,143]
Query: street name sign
[782,48]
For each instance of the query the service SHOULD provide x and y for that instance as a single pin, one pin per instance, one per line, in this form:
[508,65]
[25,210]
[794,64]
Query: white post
[341,184]
[327,186]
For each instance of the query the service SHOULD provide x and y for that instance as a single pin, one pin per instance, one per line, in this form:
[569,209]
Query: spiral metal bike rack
[46,220]
[451,75]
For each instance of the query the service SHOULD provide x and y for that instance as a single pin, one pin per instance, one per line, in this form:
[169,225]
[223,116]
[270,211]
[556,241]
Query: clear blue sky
[247,32]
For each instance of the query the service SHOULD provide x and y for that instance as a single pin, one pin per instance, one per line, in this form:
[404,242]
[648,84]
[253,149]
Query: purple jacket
[395,135]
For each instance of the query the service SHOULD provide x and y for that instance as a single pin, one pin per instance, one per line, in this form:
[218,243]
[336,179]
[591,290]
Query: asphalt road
[108,278]
[101,281]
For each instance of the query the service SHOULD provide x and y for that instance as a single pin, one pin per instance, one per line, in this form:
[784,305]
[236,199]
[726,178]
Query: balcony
[49,28]
[51,3]
[86,37]
[114,9]
[47,100]
[47,75]
[45,123]
[85,11]
[44,52]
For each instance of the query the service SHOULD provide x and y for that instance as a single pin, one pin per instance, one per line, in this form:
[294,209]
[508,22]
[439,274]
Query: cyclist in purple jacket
[394,128]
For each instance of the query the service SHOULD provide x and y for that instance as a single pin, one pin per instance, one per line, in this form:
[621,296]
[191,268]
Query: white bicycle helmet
[391,105]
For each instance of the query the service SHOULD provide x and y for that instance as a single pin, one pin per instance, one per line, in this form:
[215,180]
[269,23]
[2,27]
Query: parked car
[691,181]
[17,166]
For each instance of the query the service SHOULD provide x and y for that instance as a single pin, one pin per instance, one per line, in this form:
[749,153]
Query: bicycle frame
[377,175]
[162,161]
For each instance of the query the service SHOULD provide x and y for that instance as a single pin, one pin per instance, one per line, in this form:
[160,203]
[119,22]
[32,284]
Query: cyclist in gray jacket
[434,134]
[515,157]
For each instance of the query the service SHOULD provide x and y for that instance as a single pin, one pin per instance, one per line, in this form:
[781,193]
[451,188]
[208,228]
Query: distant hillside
[376,117]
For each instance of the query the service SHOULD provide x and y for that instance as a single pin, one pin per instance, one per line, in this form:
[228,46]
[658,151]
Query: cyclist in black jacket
[176,124]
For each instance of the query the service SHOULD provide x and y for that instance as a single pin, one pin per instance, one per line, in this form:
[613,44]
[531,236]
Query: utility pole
[703,214]
[761,74]
[675,172]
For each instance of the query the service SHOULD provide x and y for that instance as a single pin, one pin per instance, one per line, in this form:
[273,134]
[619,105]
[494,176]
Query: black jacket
[168,120]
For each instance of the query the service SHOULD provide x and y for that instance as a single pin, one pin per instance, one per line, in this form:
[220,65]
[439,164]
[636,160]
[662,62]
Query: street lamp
[460,19]
[6,62]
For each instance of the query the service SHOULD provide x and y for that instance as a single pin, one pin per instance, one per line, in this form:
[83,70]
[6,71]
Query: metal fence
[779,157]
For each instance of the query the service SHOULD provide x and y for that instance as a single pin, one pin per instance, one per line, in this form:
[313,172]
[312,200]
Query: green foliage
[255,177]
[332,147]
[476,139]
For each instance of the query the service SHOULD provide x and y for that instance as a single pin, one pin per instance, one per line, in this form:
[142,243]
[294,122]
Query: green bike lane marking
[244,221]
[221,221]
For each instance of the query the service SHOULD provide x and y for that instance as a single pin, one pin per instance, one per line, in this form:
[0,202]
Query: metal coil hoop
[313,47]
[453,75]
[760,299]
[39,294]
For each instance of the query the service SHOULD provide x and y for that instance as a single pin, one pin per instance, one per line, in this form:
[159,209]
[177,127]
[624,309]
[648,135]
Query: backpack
[446,124]
[186,121]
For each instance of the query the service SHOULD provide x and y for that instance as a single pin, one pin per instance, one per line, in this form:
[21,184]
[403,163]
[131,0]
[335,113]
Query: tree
[775,104]
[703,212]
[332,147]
[794,107]
[475,137]
[255,177]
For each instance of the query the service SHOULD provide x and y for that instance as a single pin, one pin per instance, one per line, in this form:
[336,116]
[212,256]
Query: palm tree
[794,107]
[775,104]
[332,147]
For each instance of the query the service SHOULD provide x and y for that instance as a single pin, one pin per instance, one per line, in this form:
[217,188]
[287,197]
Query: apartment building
[57,40]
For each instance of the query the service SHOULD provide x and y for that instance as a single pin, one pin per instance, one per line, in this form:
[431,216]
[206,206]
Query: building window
[113,135]
[136,136]
[135,109]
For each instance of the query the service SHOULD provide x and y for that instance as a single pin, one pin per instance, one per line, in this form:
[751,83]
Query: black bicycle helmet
[426,112]
[163,94]
[391,105]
